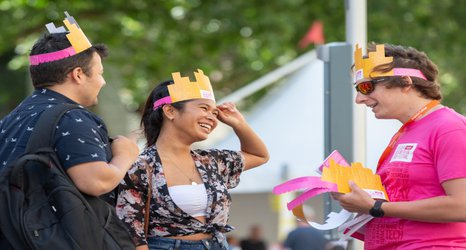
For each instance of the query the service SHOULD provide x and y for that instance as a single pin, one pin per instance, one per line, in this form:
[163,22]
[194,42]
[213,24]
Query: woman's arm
[448,208]
[252,147]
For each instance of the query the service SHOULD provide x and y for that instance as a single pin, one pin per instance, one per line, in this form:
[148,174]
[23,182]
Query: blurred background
[235,43]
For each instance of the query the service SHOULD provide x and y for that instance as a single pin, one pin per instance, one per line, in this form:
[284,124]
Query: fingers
[336,196]
[230,106]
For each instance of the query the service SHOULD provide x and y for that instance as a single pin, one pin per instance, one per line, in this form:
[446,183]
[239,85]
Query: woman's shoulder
[448,117]
[445,120]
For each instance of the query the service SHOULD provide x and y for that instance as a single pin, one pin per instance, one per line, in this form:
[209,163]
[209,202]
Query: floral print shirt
[219,169]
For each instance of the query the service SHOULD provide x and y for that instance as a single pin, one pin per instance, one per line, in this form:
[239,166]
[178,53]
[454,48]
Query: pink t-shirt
[431,150]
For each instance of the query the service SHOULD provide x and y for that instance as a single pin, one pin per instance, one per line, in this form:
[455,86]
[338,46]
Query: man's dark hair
[52,73]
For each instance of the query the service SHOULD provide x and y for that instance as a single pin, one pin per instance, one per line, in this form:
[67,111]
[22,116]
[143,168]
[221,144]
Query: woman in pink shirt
[424,167]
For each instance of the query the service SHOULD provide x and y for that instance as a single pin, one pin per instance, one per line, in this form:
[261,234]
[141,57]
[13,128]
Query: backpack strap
[44,130]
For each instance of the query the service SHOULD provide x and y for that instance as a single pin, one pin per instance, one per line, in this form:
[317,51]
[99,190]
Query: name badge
[404,152]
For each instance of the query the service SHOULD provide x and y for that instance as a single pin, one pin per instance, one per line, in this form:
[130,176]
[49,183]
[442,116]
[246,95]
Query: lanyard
[395,138]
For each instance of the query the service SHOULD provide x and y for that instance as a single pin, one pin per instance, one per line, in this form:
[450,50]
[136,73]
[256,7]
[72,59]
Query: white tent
[290,120]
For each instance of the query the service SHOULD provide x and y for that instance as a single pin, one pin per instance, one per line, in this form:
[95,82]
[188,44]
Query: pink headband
[162,101]
[52,56]
[408,72]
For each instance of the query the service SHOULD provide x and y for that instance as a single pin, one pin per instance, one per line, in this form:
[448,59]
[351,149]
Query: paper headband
[78,40]
[183,89]
[364,67]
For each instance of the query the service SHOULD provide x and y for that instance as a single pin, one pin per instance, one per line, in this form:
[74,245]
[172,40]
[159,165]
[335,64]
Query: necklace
[191,179]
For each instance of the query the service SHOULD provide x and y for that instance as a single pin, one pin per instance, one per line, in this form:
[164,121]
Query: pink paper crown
[78,40]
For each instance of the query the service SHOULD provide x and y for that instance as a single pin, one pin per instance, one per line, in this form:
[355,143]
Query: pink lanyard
[395,138]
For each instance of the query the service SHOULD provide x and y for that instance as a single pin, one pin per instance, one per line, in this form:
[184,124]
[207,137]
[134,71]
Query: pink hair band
[52,56]
[162,101]
[408,72]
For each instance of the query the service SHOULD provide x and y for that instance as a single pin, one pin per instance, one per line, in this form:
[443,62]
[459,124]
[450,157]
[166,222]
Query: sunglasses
[368,87]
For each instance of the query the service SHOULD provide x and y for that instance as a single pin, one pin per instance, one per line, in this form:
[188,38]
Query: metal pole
[356,33]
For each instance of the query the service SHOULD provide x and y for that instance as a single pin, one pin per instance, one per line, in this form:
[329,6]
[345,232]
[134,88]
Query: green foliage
[435,27]
[234,41]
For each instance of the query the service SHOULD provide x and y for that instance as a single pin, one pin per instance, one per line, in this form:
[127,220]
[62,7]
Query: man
[66,68]
[305,237]
[255,239]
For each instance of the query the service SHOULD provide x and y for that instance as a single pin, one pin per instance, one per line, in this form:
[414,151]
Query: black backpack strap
[44,130]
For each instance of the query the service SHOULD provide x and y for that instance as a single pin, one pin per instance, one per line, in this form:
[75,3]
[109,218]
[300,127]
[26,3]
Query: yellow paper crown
[364,67]
[76,37]
[363,177]
[183,89]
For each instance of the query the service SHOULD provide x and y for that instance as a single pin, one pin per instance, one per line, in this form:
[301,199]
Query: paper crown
[76,37]
[335,177]
[363,177]
[364,67]
[183,89]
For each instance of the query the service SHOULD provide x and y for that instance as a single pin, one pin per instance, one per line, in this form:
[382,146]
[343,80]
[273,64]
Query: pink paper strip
[337,157]
[330,187]
[408,72]
[52,56]
[299,183]
[162,101]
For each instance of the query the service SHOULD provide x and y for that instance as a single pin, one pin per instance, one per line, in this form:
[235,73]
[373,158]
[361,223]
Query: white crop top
[190,198]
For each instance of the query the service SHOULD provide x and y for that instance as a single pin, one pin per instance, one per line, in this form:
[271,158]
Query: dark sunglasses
[367,87]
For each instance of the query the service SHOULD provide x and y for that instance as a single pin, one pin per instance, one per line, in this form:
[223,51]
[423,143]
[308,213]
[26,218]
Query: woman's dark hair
[52,73]
[408,57]
[152,120]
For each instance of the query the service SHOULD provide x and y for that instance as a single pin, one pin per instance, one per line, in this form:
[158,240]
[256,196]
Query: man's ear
[77,75]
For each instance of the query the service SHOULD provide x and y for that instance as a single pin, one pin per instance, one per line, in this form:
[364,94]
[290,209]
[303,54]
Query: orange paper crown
[183,89]
[76,37]
[364,67]
[363,177]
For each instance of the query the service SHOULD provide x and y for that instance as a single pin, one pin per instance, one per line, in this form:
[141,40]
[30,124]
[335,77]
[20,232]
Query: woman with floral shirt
[189,199]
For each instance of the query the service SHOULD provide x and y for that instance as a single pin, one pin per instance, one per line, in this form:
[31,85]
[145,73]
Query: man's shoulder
[81,117]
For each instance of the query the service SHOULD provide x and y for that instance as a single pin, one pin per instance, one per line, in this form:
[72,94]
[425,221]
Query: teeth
[207,126]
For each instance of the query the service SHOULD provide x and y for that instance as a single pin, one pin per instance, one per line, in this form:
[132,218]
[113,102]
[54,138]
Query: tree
[234,41]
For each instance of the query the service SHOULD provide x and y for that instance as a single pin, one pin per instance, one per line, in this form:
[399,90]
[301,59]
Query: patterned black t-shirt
[80,137]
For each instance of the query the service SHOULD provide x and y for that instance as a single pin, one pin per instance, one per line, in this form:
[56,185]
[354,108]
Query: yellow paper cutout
[183,89]
[363,177]
[76,37]
[364,66]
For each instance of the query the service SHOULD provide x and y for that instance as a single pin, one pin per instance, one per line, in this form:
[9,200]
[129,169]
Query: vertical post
[356,33]
[338,119]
